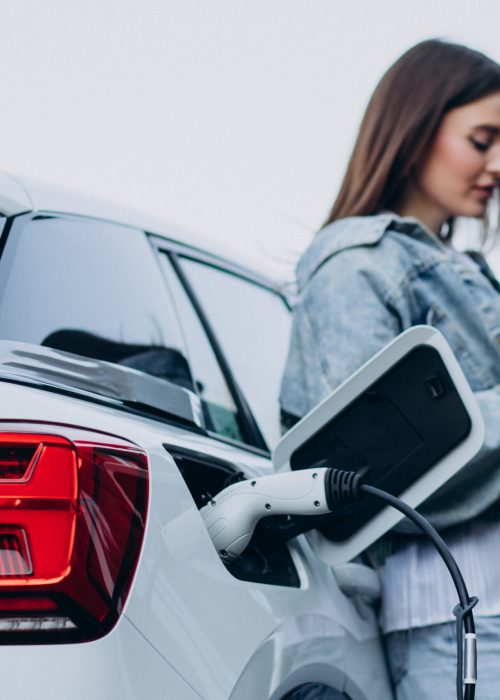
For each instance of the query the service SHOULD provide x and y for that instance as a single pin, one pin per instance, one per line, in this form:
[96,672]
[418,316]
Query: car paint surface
[189,628]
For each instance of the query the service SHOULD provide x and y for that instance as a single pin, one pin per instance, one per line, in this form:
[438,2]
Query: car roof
[21,194]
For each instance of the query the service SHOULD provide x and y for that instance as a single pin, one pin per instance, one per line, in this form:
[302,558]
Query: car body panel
[121,665]
[195,614]
[189,629]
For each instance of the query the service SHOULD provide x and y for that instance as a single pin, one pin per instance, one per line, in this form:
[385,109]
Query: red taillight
[71,524]
[15,559]
[16,461]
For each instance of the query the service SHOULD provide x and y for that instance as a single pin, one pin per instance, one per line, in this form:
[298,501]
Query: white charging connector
[232,515]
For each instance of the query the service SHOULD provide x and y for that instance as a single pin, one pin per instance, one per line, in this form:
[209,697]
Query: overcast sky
[232,118]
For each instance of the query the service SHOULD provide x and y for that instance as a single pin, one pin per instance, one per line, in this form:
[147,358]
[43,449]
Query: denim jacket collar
[358,231]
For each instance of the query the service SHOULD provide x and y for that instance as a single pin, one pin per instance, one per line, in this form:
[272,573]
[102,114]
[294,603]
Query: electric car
[139,372]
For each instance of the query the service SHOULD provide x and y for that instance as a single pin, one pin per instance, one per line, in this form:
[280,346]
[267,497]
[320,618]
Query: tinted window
[90,288]
[219,409]
[253,327]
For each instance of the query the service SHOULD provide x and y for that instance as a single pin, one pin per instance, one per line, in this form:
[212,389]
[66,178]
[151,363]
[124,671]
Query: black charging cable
[344,487]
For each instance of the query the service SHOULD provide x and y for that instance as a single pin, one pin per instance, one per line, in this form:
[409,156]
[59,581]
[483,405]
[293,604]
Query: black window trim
[251,430]
[173,250]
[168,246]
[6,227]
[235,272]
[240,273]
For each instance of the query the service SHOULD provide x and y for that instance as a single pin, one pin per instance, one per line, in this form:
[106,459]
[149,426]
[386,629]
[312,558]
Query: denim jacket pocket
[473,366]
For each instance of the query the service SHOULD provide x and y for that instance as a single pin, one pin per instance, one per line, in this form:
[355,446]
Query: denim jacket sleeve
[331,340]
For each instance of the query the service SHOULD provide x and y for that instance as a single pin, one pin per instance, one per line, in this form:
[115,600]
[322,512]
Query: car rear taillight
[72,519]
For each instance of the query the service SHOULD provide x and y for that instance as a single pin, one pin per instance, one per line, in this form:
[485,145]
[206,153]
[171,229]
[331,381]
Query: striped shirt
[419,591]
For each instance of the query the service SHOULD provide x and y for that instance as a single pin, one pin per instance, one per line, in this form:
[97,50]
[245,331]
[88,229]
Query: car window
[220,412]
[90,288]
[253,326]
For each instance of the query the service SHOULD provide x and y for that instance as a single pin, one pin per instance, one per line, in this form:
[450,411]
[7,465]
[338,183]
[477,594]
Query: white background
[232,118]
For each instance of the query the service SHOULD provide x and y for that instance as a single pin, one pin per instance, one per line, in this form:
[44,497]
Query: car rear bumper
[121,665]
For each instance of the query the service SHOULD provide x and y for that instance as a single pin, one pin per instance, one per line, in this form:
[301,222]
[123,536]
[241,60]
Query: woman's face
[462,168]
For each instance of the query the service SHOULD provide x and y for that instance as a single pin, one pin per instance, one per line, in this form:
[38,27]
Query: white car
[139,376]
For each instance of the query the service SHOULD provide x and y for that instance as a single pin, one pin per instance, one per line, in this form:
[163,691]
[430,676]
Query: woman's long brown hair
[402,118]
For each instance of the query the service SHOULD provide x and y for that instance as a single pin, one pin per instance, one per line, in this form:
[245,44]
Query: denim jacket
[364,280]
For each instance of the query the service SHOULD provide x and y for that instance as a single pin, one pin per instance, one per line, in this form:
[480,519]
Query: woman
[428,151]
